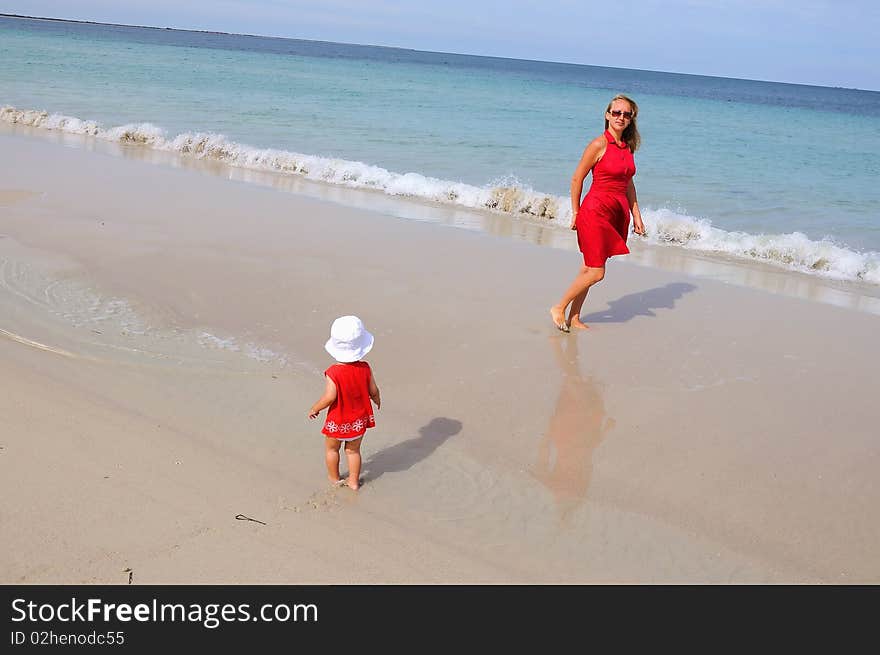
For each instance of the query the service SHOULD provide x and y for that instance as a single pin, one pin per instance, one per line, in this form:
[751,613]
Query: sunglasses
[617,113]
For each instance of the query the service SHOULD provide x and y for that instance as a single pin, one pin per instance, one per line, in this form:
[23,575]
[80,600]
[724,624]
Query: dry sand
[161,334]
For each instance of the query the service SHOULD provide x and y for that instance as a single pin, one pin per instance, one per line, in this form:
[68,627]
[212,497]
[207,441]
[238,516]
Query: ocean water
[781,173]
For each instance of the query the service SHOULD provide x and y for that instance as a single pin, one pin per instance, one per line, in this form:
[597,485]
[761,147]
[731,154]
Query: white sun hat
[349,340]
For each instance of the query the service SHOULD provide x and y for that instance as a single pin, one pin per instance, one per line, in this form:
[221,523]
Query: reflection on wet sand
[578,425]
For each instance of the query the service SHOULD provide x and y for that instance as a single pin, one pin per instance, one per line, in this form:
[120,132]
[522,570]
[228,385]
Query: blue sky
[830,43]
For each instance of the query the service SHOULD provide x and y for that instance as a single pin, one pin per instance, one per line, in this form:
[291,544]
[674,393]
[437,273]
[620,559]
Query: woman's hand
[638,226]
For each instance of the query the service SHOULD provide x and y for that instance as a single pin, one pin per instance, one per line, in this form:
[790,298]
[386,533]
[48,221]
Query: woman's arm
[633,200]
[326,400]
[592,153]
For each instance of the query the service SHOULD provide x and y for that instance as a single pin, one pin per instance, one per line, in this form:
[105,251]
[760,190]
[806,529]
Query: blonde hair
[630,135]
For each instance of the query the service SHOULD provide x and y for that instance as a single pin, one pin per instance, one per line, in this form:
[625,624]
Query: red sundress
[602,221]
[351,413]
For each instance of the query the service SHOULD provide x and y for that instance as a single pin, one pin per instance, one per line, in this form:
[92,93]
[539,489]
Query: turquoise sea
[781,173]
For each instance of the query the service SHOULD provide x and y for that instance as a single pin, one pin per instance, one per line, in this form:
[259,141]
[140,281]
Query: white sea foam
[208,340]
[251,350]
[665,227]
[795,250]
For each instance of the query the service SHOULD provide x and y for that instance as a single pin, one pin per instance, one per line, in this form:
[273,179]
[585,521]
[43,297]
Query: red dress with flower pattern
[351,413]
[602,221]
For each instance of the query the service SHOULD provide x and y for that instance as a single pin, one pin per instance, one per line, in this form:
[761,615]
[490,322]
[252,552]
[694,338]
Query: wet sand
[161,341]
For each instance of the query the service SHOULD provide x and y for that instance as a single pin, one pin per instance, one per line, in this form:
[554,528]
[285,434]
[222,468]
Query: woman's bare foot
[558,317]
[353,485]
[577,323]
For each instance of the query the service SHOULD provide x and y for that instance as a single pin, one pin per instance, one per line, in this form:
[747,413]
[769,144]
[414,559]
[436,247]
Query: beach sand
[161,340]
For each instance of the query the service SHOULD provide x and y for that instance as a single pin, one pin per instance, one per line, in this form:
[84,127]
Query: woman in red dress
[602,220]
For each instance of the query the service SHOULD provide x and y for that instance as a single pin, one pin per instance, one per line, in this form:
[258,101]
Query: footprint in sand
[325,500]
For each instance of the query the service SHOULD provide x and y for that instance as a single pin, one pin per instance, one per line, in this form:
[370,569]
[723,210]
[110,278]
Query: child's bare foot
[558,317]
[578,324]
[356,484]
[338,482]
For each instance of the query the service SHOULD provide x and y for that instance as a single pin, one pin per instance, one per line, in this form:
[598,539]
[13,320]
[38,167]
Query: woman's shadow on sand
[406,454]
[640,304]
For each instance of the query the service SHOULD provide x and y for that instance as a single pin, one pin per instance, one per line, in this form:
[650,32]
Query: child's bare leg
[331,453]
[353,454]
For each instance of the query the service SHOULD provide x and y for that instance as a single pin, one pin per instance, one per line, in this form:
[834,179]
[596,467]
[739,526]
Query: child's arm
[324,401]
[374,392]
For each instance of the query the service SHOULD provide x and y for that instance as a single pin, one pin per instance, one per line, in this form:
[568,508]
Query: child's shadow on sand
[641,304]
[404,455]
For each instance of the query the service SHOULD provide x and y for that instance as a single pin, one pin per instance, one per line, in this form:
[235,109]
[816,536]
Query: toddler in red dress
[349,388]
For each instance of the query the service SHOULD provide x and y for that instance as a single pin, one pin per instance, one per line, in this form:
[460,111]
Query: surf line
[37,345]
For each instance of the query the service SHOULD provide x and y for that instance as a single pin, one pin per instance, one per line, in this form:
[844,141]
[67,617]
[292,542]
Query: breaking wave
[793,251]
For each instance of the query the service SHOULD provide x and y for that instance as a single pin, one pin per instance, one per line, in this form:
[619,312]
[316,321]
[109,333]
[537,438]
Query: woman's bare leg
[575,296]
[574,313]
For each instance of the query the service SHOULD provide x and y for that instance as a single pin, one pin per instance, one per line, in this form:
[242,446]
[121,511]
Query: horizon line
[436,52]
